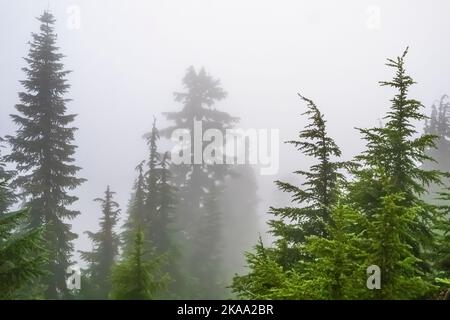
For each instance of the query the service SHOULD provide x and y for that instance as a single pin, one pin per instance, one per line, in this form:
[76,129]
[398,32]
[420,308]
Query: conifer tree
[151,185]
[136,209]
[336,270]
[439,126]
[43,151]
[105,247]
[5,177]
[388,232]
[193,180]
[265,275]
[166,206]
[397,152]
[292,225]
[22,252]
[207,258]
[136,276]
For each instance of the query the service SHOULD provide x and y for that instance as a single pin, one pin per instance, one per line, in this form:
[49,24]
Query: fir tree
[167,202]
[106,247]
[193,180]
[264,277]
[136,276]
[294,224]
[388,247]
[439,126]
[151,187]
[336,270]
[206,257]
[136,209]
[397,152]
[22,252]
[43,151]
[5,177]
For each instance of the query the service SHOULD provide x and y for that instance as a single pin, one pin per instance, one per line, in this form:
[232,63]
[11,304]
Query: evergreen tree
[43,151]
[106,247]
[22,252]
[194,180]
[5,177]
[166,205]
[206,257]
[389,235]
[265,275]
[336,270]
[294,224]
[397,152]
[151,191]
[439,126]
[137,277]
[136,210]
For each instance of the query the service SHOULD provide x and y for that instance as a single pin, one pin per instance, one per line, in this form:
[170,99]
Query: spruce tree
[206,256]
[6,177]
[151,187]
[194,180]
[438,125]
[43,151]
[167,204]
[136,209]
[388,237]
[292,225]
[395,151]
[105,247]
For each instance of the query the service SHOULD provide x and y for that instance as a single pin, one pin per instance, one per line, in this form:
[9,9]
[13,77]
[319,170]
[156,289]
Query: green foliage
[324,246]
[22,253]
[292,225]
[137,277]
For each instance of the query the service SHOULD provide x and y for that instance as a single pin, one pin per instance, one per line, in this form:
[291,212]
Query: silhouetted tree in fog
[43,151]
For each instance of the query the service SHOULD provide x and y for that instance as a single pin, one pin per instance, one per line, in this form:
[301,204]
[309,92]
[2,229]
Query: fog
[128,57]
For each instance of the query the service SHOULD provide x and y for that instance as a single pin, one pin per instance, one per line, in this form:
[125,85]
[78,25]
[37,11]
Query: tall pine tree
[43,151]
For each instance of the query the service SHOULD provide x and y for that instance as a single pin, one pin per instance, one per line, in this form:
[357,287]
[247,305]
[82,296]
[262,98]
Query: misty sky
[128,57]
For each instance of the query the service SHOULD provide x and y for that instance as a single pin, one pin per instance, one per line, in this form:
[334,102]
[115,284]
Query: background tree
[193,181]
[207,257]
[105,247]
[136,210]
[137,277]
[43,151]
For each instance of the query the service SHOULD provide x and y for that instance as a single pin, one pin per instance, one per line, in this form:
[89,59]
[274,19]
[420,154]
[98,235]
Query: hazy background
[129,56]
